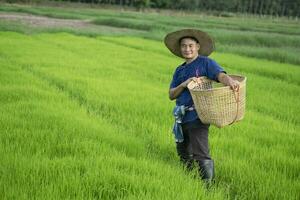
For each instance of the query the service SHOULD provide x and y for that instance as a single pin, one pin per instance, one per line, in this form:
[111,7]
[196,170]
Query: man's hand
[175,92]
[234,84]
[226,80]
[185,83]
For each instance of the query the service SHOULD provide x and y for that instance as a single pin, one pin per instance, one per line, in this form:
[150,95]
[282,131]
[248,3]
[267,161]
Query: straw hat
[205,41]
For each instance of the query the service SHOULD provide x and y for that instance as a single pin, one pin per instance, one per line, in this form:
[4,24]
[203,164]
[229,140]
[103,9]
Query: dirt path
[39,21]
[48,22]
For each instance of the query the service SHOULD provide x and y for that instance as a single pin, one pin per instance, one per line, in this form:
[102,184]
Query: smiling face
[189,48]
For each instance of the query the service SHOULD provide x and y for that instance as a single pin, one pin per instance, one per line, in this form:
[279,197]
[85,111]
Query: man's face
[189,48]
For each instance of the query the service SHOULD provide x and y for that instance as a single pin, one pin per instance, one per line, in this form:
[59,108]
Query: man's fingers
[236,86]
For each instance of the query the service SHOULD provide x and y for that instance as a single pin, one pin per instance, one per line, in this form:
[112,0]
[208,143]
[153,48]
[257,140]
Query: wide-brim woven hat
[206,42]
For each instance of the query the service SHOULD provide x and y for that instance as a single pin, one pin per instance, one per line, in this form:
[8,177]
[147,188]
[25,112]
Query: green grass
[90,118]
[125,23]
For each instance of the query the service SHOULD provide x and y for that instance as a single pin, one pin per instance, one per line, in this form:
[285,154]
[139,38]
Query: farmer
[190,133]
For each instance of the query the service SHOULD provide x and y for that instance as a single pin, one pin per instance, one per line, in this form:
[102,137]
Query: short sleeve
[174,82]
[213,69]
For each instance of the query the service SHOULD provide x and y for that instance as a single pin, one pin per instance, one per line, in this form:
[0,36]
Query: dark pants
[195,144]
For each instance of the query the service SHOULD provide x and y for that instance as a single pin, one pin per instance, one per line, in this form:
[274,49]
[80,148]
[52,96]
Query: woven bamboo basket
[218,104]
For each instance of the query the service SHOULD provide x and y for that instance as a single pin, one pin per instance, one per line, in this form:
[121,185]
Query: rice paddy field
[85,114]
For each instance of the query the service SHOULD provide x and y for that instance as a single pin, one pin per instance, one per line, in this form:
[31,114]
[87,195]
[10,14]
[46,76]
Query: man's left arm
[226,80]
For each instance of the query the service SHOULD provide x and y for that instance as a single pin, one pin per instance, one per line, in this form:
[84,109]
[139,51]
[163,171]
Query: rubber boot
[185,157]
[206,170]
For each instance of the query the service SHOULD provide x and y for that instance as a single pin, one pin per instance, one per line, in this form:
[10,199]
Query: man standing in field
[190,133]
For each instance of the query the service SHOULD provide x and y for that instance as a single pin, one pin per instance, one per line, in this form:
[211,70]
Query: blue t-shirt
[201,66]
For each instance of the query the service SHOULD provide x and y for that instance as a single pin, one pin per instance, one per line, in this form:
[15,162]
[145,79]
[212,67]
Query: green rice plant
[90,118]
[125,23]
[280,54]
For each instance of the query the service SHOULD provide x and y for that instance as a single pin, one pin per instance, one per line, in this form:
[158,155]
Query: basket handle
[237,100]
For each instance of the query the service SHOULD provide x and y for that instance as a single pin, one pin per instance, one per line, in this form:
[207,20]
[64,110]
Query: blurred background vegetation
[225,8]
[265,37]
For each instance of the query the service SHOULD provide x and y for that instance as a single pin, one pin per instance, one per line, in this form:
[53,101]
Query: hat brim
[206,42]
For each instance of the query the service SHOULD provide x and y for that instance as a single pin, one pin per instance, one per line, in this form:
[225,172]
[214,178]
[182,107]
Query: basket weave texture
[217,104]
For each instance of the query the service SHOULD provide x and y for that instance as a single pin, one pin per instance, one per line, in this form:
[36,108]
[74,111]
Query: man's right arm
[175,92]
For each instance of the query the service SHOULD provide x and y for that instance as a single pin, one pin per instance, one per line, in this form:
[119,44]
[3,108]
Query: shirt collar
[191,63]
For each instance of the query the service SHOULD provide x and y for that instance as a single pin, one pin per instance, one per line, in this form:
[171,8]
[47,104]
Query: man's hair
[189,37]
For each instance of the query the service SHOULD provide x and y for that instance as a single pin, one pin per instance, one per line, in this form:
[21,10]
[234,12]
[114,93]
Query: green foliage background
[288,8]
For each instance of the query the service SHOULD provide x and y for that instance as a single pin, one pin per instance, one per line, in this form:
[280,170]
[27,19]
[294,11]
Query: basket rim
[219,88]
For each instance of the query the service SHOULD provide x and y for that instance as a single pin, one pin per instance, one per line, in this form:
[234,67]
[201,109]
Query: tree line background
[289,8]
